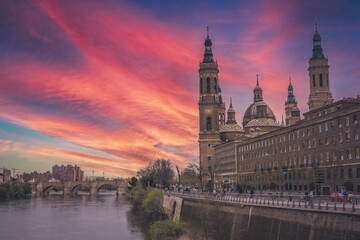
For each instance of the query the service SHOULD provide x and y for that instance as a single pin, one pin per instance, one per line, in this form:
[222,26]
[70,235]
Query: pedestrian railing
[322,202]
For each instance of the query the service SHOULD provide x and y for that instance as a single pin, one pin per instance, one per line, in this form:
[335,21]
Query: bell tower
[211,111]
[320,94]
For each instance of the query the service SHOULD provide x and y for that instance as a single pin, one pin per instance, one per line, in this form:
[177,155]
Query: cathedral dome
[259,110]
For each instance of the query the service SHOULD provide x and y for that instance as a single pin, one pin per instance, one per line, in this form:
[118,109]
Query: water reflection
[70,217]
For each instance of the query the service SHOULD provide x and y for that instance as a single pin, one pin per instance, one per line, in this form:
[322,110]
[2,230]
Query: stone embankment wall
[212,220]
[172,206]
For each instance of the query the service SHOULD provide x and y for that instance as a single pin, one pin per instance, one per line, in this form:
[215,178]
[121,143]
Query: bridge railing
[322,202]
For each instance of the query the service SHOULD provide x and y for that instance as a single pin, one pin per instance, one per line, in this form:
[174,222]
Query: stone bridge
[70,187]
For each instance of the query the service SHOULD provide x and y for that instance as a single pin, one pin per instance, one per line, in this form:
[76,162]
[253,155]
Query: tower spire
[315,24]
[208,55]
[257,80]
[231,102]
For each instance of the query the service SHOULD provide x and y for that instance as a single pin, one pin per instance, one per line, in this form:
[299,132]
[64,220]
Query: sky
[113,85]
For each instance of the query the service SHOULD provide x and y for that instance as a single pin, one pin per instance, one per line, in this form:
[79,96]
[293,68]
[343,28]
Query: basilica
[319,152]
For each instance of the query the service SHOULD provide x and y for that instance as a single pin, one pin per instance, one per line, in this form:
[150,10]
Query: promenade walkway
[318,203]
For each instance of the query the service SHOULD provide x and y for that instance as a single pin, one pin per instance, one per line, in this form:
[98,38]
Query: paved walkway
[319,203]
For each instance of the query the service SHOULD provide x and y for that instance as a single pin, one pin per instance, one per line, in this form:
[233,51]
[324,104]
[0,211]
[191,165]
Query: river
[62,217]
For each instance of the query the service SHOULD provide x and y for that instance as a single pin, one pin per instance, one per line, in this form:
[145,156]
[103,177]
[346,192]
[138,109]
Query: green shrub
[153,203]
[138,193]
[165,229]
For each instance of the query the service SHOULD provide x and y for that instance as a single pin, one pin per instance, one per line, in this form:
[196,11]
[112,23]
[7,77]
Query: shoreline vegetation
[14,190]
[147,200]
[148,205]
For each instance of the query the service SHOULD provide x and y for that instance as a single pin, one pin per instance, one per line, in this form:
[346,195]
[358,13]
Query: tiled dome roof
[262,122]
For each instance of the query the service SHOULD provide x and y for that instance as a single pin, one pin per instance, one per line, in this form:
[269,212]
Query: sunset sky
[113,85]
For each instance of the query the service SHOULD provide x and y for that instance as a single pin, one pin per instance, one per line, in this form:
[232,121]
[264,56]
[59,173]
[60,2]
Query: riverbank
[14,190]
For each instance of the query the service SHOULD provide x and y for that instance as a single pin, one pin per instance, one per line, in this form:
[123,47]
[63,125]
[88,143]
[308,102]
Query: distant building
[5,175]
[67,173]
[36,177]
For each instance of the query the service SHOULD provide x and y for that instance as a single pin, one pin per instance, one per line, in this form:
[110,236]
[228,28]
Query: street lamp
[261,187]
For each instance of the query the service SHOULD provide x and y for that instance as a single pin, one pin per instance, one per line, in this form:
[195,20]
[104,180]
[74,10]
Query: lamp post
[288,182]
[261,187]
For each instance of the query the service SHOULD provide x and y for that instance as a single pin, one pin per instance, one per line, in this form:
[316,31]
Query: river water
[62,217]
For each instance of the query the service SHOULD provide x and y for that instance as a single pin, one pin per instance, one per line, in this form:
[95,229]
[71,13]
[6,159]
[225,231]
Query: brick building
[67,173]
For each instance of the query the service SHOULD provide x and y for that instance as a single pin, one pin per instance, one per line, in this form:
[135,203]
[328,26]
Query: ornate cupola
[231,114]
[317,50]
[291,97]
[208,55]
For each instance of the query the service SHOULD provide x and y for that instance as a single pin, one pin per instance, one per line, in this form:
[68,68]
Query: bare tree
[178,172]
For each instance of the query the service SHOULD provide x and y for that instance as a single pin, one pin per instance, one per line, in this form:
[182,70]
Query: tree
[189,177]
[159,172]
[133,181]
[195,169]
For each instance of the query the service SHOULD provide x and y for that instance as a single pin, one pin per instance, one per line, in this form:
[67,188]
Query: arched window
[321,80]
[208,123]
[201,85]
[215,85]
[313,80]
[208,85]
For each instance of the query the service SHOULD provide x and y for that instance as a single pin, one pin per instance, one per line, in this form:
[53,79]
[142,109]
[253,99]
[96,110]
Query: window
[320,142]
[308,132]
[355,121]
[208,123]
[339,123]
[356,134]
[208,85]
[347,136]
[340,137]
[314,143]
[320,129]
[201,85]
[332,124]
[327,156]
[215,85]
[358,172]
[348,154]
[321,80]
[326,141]
[209,158]
[347,121]
[357,152]
[350,173]
[326,127]
[309,144]
[314,80]
[342,173]
[341,155]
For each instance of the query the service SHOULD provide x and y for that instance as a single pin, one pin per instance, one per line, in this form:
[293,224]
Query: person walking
[311,196]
